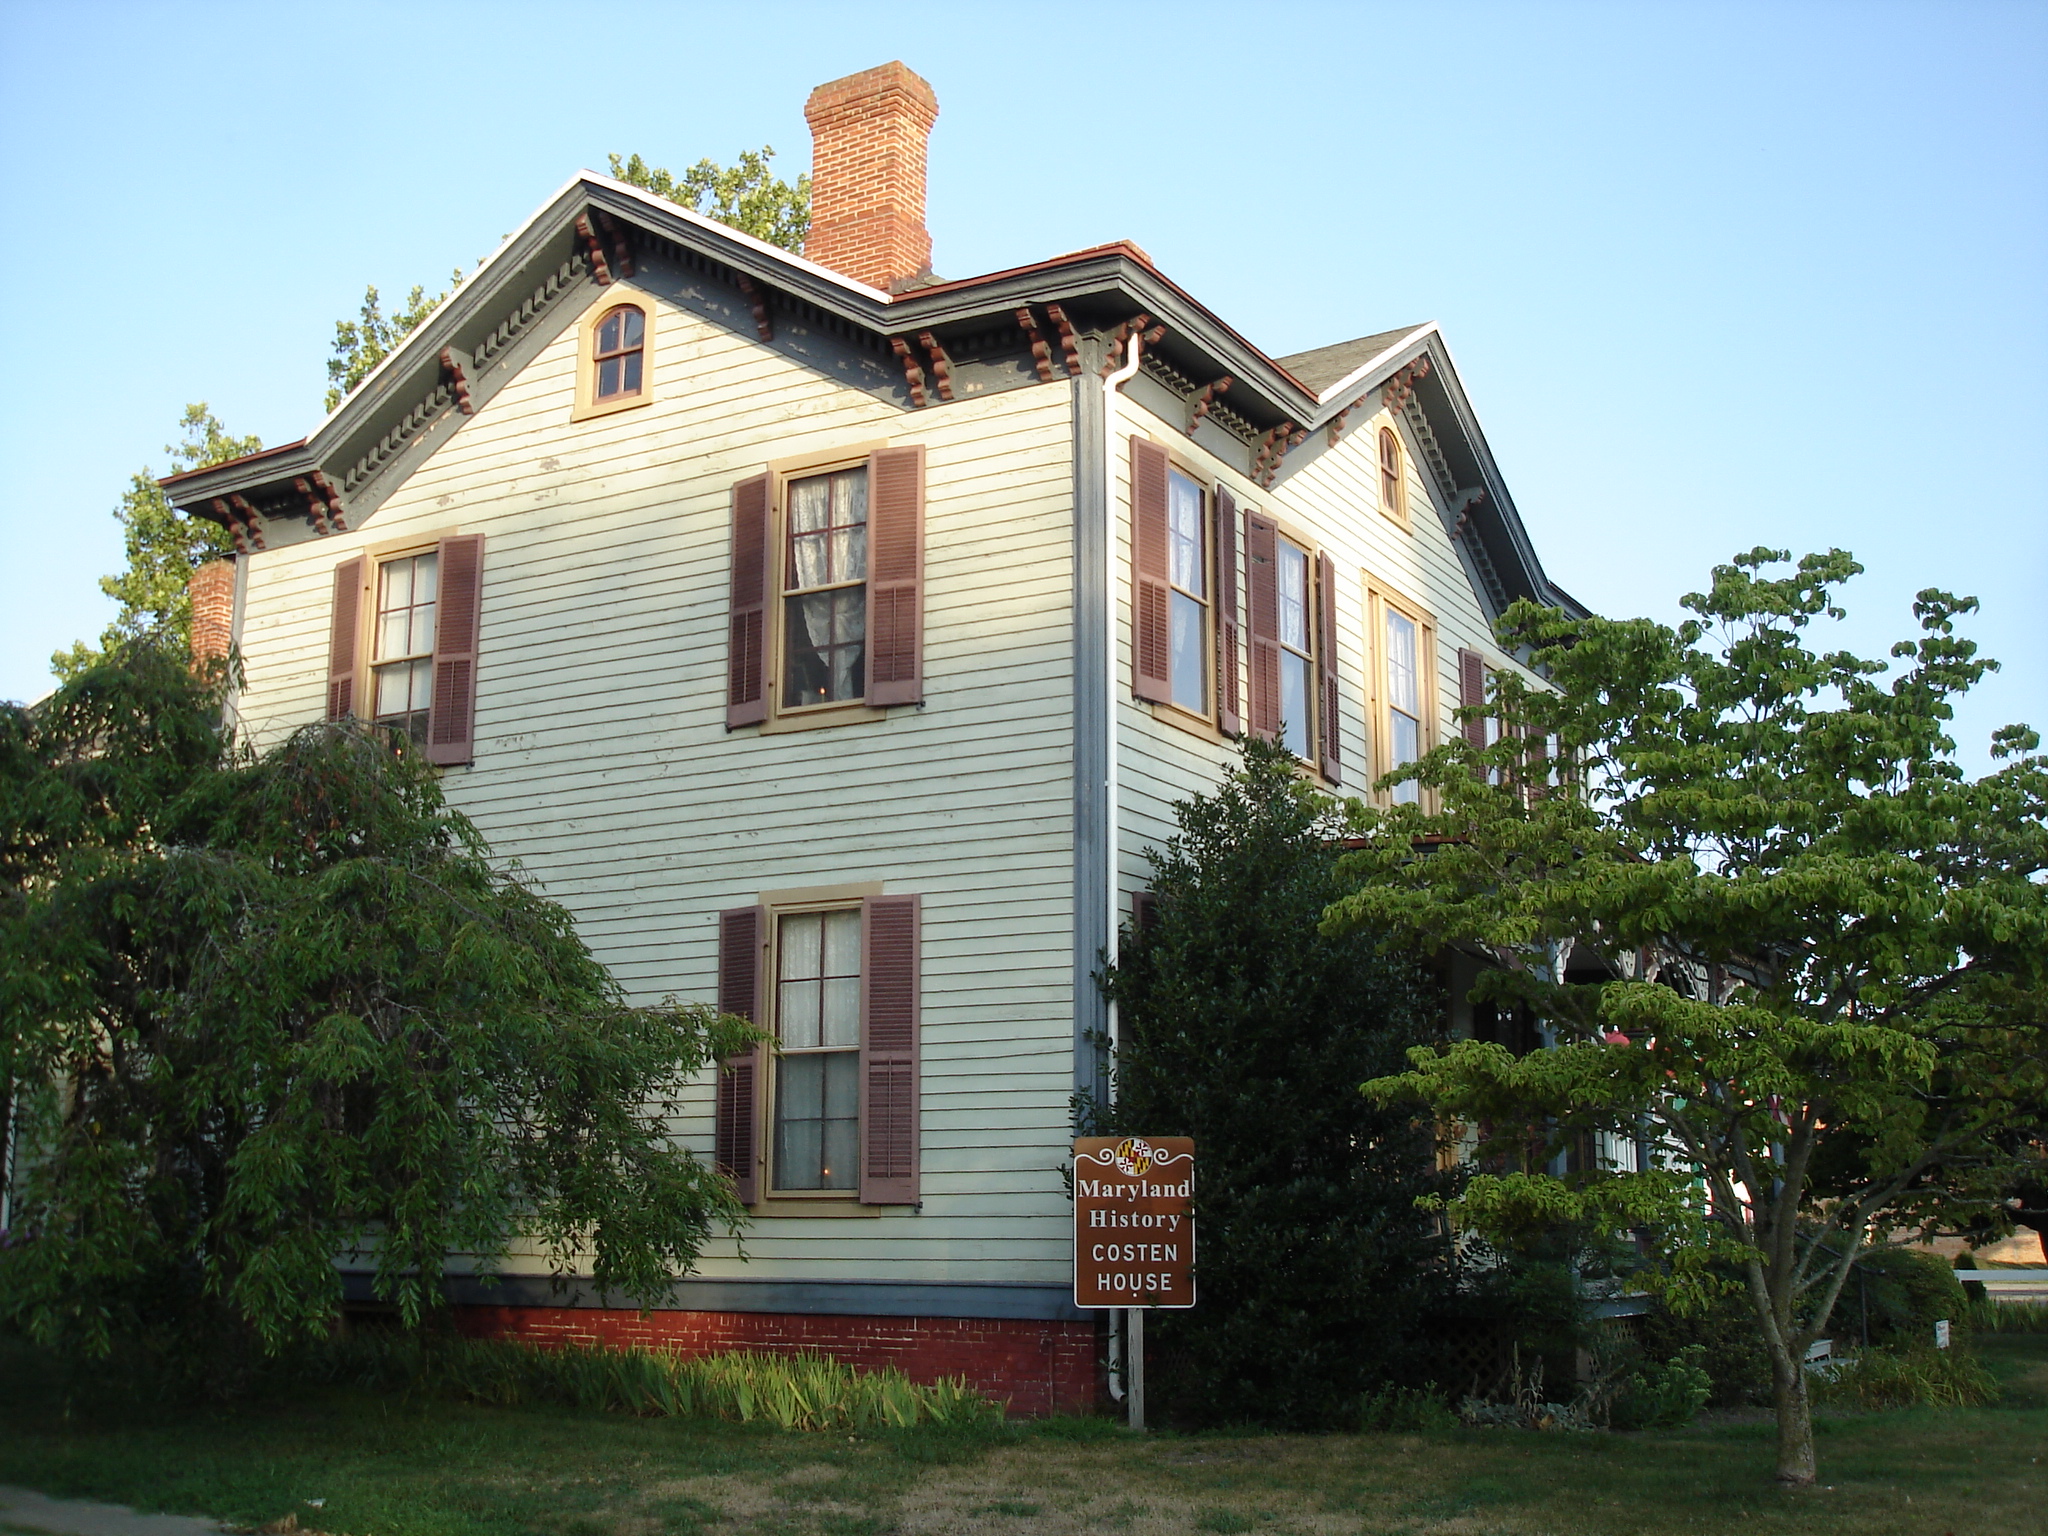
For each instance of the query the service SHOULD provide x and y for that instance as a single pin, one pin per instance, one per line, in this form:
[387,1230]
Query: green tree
[1244,1027]
[163,548]
[1771,927]
[361,344]
[263,1011]
[748,195]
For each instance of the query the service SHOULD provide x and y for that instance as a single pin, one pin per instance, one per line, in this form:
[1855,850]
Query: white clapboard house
[833,639]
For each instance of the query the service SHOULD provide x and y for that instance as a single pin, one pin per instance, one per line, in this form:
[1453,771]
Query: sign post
[1134,1236]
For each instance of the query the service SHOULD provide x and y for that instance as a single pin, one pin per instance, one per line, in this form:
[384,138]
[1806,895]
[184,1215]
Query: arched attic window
[1392,502]
[618,354]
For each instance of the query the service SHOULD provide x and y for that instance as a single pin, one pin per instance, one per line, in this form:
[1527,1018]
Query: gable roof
[1009,329]
[1325,367]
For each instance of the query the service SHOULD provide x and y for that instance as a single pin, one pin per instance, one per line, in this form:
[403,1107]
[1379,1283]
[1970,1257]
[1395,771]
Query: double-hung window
[817,1070]
[1188,556]
[404,638]
[402,644]
[829,1110]
[1293,625]
[1403,687]
[826,607]
[825,594]
[1184,629]
[1297,650]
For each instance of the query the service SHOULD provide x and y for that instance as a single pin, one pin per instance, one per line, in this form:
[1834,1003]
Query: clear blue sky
[1715,274]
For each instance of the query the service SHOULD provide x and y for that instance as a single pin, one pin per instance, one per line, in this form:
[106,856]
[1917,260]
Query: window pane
[636,326]
[1184,534]
[607,379]
[392,630]
[426,578]
[1403,681]
[422,684]
[797,1015]
[817,1121]
[608,334]
[421,639]
[397,585]
[840,1024]
[632,384]
[1190,654]
[1404,744]
[1294,703]
[802,946]
[850,496]
[841,943]
[850,554]
[1293,596]
[394,690]
[810,505]
[807,627]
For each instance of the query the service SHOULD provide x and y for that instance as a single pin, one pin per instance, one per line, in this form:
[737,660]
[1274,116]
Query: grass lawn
[394,1468]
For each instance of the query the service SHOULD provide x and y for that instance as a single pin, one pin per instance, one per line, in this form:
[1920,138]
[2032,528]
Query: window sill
[1195,725]
[585,411]
[821,718]
[795,1206]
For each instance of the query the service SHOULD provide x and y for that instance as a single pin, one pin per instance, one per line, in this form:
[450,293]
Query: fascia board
[240,475]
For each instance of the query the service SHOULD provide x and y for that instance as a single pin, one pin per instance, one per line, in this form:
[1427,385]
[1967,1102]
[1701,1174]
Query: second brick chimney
[868,134]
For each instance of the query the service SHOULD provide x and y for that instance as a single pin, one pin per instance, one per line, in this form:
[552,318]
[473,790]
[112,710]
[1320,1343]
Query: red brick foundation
[1035,1367]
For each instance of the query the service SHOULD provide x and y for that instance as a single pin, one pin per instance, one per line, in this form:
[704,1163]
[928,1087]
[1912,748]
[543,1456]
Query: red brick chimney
[212,591]
[868,134]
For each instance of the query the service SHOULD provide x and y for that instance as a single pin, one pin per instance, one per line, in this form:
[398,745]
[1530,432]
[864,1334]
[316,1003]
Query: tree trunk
[1796,1465]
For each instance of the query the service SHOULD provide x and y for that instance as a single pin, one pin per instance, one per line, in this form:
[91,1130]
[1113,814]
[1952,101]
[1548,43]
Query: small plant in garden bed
[800,1392]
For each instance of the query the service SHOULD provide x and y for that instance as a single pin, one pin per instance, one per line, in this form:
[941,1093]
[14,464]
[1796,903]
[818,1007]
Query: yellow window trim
[1378,599]
[608,299]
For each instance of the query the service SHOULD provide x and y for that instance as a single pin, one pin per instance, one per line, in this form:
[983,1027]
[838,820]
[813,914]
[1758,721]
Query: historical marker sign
[1134,1222]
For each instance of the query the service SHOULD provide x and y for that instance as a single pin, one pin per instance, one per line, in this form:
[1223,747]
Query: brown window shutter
[1472,694]
[1229,640]
[1327,728]
[1262,591]
[1151,576]
[1144,910]
[896,576]
[746,674]
[888,1051]
[451,719]
[341,639]
[741,932]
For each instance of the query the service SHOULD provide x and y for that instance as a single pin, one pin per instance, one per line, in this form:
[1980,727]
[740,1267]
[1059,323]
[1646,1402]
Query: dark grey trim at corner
[1092,642]
[835,1298]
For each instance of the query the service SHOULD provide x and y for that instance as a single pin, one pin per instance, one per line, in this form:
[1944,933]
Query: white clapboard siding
[1333,500]
[604,766]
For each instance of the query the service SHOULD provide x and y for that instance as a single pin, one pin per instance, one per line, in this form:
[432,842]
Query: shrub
[1898,1294]
[1247,1028]
[1404,1410]
[1725,1334]
[1911,1378]
[1661,1396]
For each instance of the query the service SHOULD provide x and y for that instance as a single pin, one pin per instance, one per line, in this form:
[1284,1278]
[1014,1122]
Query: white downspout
[1112,810]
